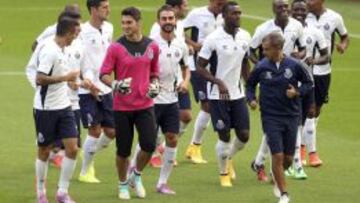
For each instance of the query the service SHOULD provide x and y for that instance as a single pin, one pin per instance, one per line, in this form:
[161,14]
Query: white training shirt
[52,62]
[229,54]
[179,30]
[173,55]
[202,22]
[329,23]
[292,33]
[75,57]
[95,44]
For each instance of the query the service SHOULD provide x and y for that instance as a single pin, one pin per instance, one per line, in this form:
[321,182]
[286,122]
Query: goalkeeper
[134,61]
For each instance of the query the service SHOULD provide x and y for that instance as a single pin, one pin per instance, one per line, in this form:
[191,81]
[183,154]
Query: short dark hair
[66,25]
[72,14]
[133,12]
[275,39]
[228,5]
[165,7]
[298,1]
[174,3]
[93,3]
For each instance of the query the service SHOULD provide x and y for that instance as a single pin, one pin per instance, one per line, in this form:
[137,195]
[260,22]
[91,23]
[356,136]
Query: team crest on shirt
[268,75]
[177,54]
[77,55]
[327,26]
[244,47]
[220,124]
[288,73]
[150,54]
[309,40]
[40,138]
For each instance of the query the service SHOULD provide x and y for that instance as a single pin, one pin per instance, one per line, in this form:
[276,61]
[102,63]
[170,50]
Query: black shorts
[199,87]
[144,121]
[322,86]
[306,102]
[167,117]
[280,132]
[54,125]
[95,112]
[184,101]
[229,114]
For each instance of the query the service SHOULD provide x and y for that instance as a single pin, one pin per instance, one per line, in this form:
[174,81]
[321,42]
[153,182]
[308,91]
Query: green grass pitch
[338,131]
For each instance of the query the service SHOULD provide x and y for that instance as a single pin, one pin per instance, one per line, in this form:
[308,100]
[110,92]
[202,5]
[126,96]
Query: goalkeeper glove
[154,89]
[122,86]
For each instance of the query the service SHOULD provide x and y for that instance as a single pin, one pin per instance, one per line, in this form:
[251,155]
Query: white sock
[182,128]
[201,123]
[89,149]
[134,157]
[310,134]
[263,152]
[297,159]
[41,169]
[67,170]
[168,164]
[222,152]
[52,155]
[102,142]
[236,145]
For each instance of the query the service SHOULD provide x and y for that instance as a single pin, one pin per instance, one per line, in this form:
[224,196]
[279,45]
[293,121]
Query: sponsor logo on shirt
[327,26]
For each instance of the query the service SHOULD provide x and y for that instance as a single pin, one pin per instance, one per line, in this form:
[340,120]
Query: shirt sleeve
[109,62]
[340,26]
[320,39]
[252,82]
[154,69]
[190,20]
[207,48]
[305,79]
[47,60]
[185,55]
[155,30]
[49,31]
[257,38]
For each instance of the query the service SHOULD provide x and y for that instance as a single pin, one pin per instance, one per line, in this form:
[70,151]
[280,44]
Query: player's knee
[148,146]
[95,131]
[243,135]
[123,153]
[224,136]
[109,132]
[171,140]
[44,153]
[71,151]
[185,117]
[205,106]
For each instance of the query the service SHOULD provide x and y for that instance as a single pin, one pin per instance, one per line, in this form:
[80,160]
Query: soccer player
[280,94]
[180,7]
[225,50]
[314,41]
[51,30]
[329,22]
[71,10]
[172,60]
[95,96]
[53,116]
[134,60]
[202,21]
[292,31]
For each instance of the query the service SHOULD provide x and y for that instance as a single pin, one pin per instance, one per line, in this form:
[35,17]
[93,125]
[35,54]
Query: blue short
[184,101]
[54,125]
[229,114]
[77,113]
[167,117]
[199,87]
[322,86]
[280,132]
[95,112]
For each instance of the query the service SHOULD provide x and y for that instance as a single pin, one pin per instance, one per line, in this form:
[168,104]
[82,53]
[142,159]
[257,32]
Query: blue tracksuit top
[274,82]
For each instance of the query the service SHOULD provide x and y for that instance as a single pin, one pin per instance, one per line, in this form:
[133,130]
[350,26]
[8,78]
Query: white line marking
[148,9]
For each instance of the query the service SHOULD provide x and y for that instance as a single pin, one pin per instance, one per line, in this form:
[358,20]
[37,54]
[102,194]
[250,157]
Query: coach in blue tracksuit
[280,94]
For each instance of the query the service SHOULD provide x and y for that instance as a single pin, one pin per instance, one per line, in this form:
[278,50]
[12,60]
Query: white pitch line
[149,9]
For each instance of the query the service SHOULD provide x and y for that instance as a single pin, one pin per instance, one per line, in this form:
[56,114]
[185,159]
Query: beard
[168,28]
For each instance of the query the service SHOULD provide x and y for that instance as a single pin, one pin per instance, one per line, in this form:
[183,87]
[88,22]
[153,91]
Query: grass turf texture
[338,131]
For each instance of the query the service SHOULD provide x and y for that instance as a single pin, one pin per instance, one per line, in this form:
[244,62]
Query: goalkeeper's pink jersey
[138,60]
